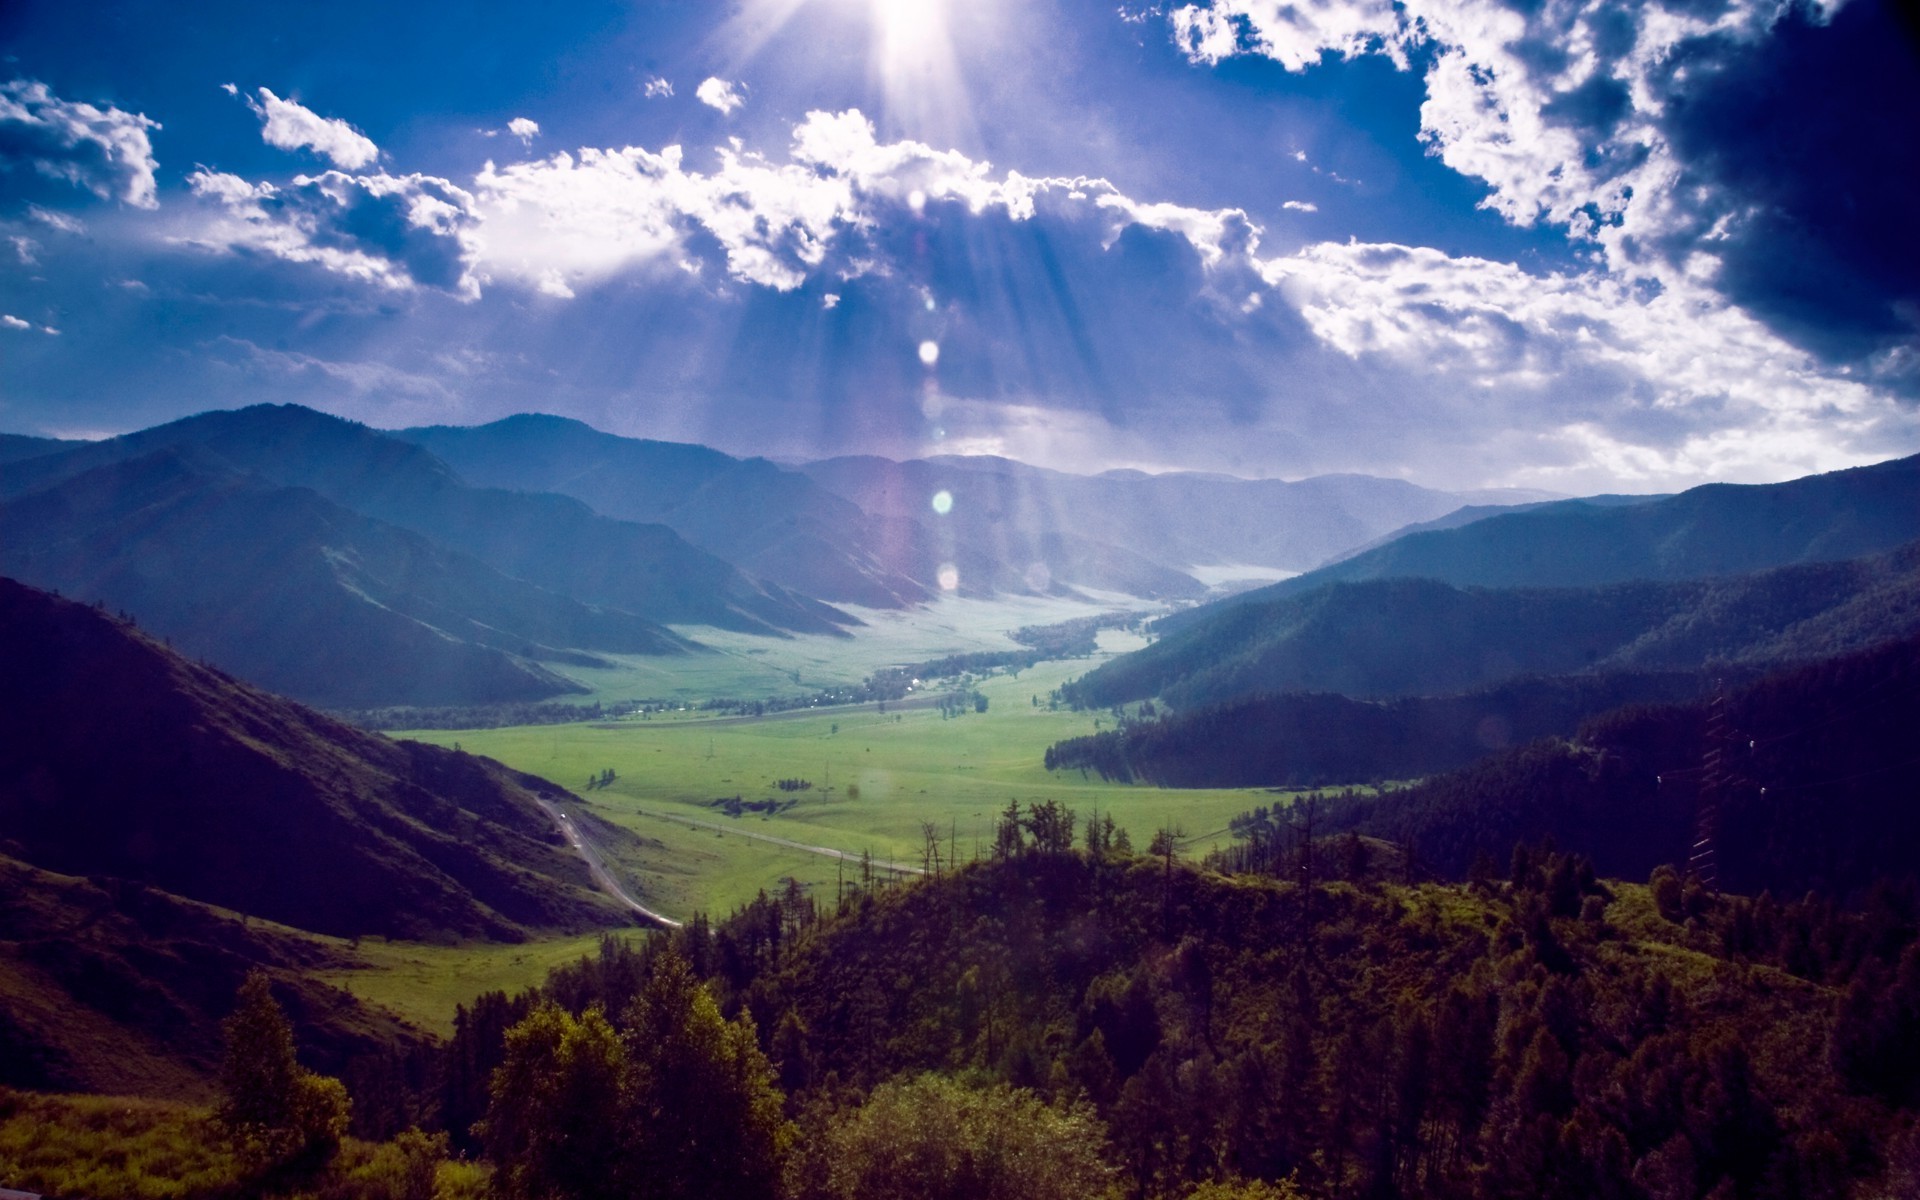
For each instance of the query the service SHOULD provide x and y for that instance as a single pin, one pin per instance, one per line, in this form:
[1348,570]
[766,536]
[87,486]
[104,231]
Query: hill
[552,541]
[1553,1036]
[1718,529]
[1318,739]
[1396,637]
[772,523]
[110,986]
[1818,783]
[125,760]
[300,595]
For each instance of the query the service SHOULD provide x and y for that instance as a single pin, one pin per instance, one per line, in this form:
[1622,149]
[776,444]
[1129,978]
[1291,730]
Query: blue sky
[1577,244]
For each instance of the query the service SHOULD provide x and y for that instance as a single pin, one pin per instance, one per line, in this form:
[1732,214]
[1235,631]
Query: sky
[1577,245]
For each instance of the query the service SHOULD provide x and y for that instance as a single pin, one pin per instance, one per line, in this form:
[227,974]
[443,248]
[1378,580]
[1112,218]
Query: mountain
[1718,529]
[299,595]
[1179,521]
[124,760]
[17,446]
[1321,739]
[553,541]
[1818,764]
[1394,637]
[772,523]
[110,986]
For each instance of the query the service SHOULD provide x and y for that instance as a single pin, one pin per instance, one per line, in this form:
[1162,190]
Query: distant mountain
[17,446]
[1719,529]
[1818,768]
[772,523]
[1177,520]
[553,541]
[122,759]
[1396,637]
[300,595]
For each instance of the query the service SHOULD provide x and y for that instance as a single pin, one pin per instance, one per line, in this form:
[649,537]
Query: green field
[743,666]
[876,778]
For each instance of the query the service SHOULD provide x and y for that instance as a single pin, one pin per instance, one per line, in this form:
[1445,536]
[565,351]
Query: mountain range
[355,568]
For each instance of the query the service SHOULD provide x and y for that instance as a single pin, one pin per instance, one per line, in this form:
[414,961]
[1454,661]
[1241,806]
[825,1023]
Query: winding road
[597,867]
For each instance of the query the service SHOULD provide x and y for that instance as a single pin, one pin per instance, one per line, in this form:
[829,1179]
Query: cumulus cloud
[49,146]
[1651,385]
[13,322]
[1305,206]
[290,125]
[524,128]
[715,92]
[1722,144]
[399,232]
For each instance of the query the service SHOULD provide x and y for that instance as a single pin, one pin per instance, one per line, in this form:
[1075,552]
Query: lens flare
[929,353]
[943,502]
[949,577]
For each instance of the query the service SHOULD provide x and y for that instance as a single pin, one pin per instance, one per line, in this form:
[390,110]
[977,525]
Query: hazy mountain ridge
[1716,529]
[1178,520]
[553,541]
[125,760]
[1390,637]
[773,523]
[298,594]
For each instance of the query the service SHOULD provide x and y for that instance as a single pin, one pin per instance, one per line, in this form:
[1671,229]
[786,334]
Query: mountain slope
[1391,637]
[1819,759]
[1718,529]
[1177,520]
[124,759]
[772,523]
[107,986]
[553,541]
[300,595]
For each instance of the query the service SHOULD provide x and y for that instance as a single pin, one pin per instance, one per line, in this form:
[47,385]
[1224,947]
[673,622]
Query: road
[828,851]
[597,867]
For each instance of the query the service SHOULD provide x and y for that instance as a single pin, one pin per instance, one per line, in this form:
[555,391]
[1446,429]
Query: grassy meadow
[876,776]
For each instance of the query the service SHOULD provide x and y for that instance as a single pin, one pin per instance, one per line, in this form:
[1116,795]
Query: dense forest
[1073,1019]
[1313,739]
[1808,773]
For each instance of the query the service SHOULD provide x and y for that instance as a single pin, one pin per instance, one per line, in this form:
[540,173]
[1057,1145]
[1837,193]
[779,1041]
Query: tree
[931,1138]
[557,1128]
[278,1115]
[708,1118]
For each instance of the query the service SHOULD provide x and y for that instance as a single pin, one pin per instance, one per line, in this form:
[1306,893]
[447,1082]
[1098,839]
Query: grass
[877,777]
[753,668]
[425,983]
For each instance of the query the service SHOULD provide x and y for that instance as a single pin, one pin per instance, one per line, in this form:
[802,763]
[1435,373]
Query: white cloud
[55,220]
[1655,386]
[12,322]
[715,92]
[26,249]
[1305,206]
[105,151]
[657,88]
[1557,107]
[292,126]
[398,232]
[524,128]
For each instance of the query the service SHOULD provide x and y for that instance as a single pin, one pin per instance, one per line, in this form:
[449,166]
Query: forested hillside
[1816,771]
[1394,637]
